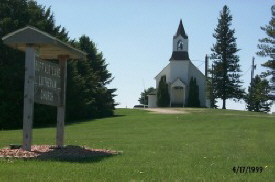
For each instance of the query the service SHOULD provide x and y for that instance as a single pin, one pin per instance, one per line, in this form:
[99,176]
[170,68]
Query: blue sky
[136,36]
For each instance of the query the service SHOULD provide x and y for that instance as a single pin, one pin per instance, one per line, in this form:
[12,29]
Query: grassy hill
[202,144]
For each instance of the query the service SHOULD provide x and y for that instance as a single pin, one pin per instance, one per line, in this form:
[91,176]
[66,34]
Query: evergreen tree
[193,99]
[144,96]
[87,94]
[267,49]
[163,98]
[267,44]
[257,97]
[191,93]
[226,68]
[197,94]
[211,95]
[13,16]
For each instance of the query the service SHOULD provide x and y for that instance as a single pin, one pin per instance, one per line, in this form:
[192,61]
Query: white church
[178,74]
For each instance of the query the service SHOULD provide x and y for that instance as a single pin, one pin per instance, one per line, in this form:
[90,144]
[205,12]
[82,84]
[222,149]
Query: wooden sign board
[47,88]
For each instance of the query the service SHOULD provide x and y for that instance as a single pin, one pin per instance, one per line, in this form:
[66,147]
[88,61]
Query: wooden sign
[45,82]
[47,88]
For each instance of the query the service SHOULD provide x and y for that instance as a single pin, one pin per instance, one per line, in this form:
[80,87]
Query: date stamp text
[247,169]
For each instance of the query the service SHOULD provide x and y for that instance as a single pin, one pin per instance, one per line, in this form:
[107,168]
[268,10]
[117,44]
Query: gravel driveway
[165,111]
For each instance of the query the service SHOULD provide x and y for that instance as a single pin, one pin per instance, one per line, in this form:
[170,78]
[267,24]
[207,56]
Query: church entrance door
[177,97]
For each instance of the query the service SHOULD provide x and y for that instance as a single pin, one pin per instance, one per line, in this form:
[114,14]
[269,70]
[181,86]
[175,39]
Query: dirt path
[165,111]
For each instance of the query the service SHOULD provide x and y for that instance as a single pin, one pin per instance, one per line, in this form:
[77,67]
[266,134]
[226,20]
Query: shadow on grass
[69,153]
[90,120]
[75,155]
[53,124]
[67,123]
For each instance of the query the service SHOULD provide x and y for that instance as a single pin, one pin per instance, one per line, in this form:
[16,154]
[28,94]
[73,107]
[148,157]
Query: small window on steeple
[180,45]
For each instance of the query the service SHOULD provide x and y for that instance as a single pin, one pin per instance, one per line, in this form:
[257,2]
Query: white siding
[179,69]
[166,72]
[152,101]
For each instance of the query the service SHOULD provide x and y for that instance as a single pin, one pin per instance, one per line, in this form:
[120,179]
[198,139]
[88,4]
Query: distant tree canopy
[163,98]
[226,68]
[193,99]
[87,95]
[257,97]
[144,96]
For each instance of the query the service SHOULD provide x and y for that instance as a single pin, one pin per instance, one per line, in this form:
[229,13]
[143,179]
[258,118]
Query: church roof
[181,31]
[179,55]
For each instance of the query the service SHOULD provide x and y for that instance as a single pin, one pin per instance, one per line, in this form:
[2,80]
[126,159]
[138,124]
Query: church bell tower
[180,44]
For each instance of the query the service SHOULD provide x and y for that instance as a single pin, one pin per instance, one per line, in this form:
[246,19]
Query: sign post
[45,82]
[28,96]
[62,107]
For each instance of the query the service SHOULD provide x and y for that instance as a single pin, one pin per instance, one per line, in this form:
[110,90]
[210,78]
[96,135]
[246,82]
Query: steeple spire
[180,45]
[181,31]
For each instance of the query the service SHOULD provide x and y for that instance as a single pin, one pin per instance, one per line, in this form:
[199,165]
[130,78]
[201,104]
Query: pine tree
[267,49]
[257,97]
[210,92]
[163,98]
[267,44]
[226,68]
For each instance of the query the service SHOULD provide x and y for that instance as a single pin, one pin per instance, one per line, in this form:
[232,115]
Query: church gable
[178,83]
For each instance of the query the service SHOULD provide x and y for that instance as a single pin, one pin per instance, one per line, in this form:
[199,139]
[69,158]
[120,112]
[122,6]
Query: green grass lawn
[203,144]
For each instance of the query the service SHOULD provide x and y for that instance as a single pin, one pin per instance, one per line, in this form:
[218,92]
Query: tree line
[87,93]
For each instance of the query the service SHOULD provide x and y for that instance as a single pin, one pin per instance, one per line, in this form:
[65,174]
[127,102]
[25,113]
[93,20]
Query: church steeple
[181,31]
[180,44]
